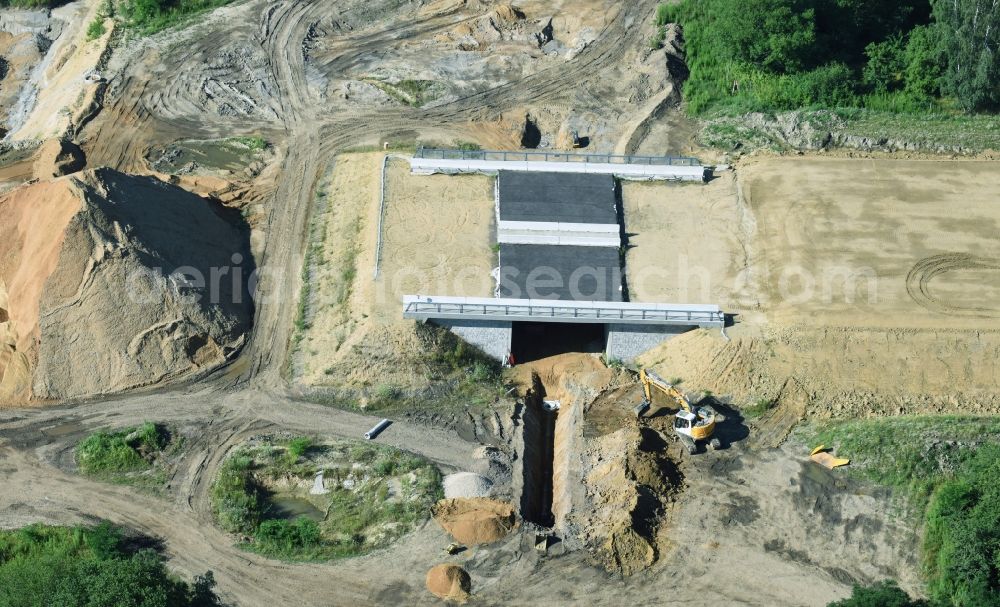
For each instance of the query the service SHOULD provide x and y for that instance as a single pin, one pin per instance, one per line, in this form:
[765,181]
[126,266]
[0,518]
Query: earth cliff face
[120,282]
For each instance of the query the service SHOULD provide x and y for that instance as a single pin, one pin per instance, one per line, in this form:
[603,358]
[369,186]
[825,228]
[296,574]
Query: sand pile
[57,157]
[95,301]
[467,484]
[449,582]
[475,520]
[628,483]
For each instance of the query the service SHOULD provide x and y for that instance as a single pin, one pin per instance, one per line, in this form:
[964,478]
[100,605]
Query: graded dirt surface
[684,242]
[856,278]
[875,243]
[820,242]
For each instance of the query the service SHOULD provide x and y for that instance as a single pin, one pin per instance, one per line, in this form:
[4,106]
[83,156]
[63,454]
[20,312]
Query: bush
[950,464]
[255,143]
[87,567]
[124,451]
[771,55]
[151,16]
[235,497]
[284,537]
[883,594]
[962,537]
[297,447]
[95,29]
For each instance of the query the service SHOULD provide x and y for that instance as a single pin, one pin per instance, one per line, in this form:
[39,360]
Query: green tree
[970,34]
[926,61]
[886,67]
[962,538]
[776,35]
[87,567]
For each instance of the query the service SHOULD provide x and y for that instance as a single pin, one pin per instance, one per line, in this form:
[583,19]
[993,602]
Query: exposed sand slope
[60,87]
[33,223]
[95,306]
[845,372]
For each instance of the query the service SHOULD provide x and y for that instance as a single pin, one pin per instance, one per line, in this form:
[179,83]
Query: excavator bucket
[817,450]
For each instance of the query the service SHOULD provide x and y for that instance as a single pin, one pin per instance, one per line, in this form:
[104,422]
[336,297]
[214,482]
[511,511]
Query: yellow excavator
[691,424]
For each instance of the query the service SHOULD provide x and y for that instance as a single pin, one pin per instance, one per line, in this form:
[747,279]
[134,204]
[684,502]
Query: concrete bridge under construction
[560,274]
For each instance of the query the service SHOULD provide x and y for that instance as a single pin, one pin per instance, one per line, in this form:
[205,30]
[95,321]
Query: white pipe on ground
[377,429]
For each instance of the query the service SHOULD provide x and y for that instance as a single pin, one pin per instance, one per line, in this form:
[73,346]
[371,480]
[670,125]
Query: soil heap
[449,582]
[475,520]
[628,481]
[93,288]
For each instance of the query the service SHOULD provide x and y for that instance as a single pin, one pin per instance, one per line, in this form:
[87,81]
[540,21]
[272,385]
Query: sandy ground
[751,527]
[876,243]
[435,239]
[857,279]
[684,240]
[33,222]
[825,242]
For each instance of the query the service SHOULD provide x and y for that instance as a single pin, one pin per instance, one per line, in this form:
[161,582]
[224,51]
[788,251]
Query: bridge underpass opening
[531,341]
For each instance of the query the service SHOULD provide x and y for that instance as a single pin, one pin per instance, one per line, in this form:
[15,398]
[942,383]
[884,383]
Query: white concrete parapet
[429,166]
[422,307]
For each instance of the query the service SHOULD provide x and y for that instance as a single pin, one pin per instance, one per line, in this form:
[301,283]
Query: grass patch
[912,454]
[90,566]
[132,456]
[95,29]
[314,254]
[254,143]
[148,17]
[414,93]
[758,408]
[236,499]
[458,375]
[931,132]
[376,494]
[947,467]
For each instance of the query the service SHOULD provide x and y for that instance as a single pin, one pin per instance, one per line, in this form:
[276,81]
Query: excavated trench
[543,485]
[538,429]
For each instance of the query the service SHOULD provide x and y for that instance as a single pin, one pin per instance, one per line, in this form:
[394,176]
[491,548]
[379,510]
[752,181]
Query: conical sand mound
[449,582]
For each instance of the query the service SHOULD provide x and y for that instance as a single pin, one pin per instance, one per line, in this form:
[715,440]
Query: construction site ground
[753,523]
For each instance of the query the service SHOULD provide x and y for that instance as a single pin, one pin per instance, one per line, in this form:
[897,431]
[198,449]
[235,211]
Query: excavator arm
[651,380]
